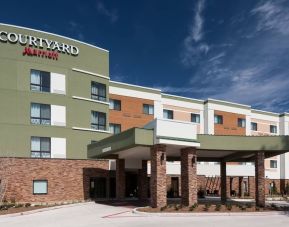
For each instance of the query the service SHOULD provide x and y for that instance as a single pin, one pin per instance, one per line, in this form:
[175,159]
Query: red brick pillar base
[143,181]
[260,179]
[158,176]
[120,179]
[189,182]
[225,183]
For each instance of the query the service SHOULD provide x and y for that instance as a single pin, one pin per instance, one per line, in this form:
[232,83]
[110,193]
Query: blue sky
[231,50]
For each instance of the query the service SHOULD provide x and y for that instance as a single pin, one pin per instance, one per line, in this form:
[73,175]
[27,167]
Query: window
[115,128]
[40,114]
[241,123]
[39,81]
[114,104]
[218,119]
[40,187]
[148,109]
[98,91]
[98,120]
[273,129]
[254,126]
[273,164]
[40,147]
[195,118]
[168,114]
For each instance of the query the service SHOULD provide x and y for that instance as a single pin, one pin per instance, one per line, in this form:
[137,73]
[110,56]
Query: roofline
[133,85]
[265,112]
[185,98]
[284,114]
[228,103]
[50,33]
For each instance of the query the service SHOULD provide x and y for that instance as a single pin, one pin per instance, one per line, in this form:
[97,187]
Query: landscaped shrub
[27,204]
[163,208]
[194,206]
[218,207]
[207,206]
[229,206]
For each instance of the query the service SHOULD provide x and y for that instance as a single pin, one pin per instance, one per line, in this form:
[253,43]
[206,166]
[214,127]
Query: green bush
[229,206]
[218,207]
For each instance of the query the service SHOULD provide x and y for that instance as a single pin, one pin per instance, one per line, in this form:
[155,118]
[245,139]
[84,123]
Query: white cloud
[197,28]
[272,15]
[194,48]
[111,14]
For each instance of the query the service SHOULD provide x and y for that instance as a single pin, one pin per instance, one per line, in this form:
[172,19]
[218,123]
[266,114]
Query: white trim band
[91,130]
[90,73]
[90,100]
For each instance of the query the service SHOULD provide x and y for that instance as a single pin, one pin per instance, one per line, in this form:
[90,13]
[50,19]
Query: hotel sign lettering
[40,47]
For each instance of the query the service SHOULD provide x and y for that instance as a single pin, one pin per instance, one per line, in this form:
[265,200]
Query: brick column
[143,181]
[189,182]
[251,186]
[241,187]
[120,179]
[158,176]
[260,178]
[225,183]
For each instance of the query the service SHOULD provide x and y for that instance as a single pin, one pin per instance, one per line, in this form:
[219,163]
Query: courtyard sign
[52,47]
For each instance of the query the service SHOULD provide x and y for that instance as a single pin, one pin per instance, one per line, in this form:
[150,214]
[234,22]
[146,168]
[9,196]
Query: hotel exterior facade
[59,106]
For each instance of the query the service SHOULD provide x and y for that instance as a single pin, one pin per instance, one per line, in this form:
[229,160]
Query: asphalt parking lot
[92,214]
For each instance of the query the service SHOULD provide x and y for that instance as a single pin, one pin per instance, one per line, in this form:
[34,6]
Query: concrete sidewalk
[92,214]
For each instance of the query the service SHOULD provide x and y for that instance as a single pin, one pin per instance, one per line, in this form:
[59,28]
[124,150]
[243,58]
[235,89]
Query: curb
[199,214]
[42,210]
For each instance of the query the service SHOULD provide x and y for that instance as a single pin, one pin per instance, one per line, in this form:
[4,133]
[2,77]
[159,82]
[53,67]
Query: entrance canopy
[135,144]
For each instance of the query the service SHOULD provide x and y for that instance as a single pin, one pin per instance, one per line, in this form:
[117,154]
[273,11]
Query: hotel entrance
[97,188]
[131,183]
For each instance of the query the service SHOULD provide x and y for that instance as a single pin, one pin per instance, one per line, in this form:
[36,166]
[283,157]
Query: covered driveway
[162,141]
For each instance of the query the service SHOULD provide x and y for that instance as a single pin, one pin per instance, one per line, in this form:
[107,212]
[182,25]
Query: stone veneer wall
[68,180]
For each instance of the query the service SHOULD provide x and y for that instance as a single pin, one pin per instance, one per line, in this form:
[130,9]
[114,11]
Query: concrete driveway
[92,214]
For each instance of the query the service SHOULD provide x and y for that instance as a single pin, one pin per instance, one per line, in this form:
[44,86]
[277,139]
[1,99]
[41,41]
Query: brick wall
[230,124]
[68,180]
[131,114]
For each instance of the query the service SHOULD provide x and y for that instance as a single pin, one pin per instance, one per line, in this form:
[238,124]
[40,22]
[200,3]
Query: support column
[260,178]
[158,176]
[143,181]
[225,183]
[241,187]
[120,179]
[189,182]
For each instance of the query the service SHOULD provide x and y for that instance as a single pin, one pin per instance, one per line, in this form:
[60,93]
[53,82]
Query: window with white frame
[148,109]
[168,114]
[273,129]
[40,114]
[195,118]
[273,164]
[114,104]
[40,147]
[254,126]
[98,91]
[39,81]
[241,123]
[98,120]
[40,187]
[114,128]
[218,119]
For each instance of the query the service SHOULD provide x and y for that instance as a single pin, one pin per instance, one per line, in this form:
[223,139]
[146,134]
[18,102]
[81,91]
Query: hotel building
[69,133]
